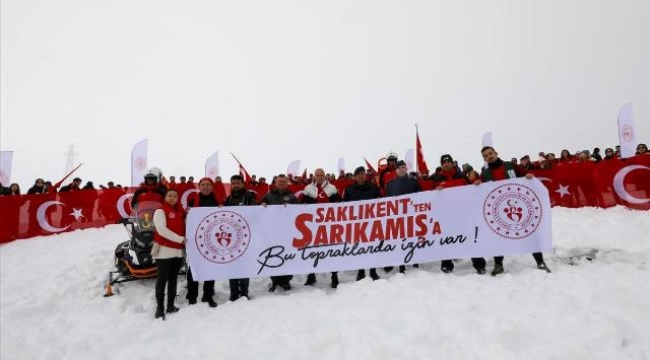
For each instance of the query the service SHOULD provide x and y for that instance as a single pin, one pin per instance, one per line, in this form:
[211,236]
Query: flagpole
[67,176]
[417,150]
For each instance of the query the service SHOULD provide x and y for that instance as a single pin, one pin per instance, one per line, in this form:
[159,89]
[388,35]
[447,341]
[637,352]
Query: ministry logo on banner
[222,236]
[496,218]
[512,211]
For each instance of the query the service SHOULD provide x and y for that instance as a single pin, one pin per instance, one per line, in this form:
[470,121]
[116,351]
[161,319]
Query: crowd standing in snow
[391,179]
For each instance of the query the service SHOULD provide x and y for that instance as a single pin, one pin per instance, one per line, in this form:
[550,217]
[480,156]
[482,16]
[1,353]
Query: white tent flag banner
[626,135]
[6,161]
[139,162]
[507,217]
[212,166]
[341,165]
[487,139]
[409,159]
[293,169]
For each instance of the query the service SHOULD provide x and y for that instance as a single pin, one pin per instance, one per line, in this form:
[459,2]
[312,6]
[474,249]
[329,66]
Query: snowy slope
[52,305]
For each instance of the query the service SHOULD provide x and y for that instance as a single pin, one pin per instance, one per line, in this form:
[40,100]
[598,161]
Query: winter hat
[400,163]
[358,170]
[445,158]
[467,167]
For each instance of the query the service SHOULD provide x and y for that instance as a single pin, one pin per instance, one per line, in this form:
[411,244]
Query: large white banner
[487,139]
[409,159]
[293,169]
[139,162]
[496,218]
[212,166]
[341,165]
[626,134]
[6,160]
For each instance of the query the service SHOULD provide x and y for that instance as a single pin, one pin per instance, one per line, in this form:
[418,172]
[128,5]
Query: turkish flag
[604,184]
[419,155]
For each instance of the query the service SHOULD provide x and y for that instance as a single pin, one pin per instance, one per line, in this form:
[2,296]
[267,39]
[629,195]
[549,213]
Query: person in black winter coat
[73,186]
[362,189]
[204,198]
[401,185]
[280,196]
[239,196]
[38,188]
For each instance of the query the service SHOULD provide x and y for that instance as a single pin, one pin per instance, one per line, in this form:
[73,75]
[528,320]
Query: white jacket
[163,252]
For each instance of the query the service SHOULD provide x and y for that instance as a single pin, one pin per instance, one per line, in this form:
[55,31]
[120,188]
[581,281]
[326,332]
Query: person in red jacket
[167,250]
[449,177]
[388,173]
[151,189]
[496,170]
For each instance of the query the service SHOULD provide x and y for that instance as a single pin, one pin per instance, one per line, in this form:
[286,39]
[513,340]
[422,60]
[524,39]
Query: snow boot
[361,275]
[335,280]
[210,301]
[498,269]
[285,286]
[373,274]
[160,312]
[160,308]
[311,280]
[542,266]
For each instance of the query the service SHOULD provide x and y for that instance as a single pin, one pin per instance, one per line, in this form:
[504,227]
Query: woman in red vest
[169,241]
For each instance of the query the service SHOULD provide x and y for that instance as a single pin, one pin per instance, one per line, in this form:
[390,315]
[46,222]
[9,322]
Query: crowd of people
[544,160]
[365,183]
[391,180]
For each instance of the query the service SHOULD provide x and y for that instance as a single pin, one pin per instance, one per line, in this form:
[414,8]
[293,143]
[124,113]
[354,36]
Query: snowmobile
[133,258]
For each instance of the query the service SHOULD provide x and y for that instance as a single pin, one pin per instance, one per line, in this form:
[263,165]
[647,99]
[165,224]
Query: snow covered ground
[52,305]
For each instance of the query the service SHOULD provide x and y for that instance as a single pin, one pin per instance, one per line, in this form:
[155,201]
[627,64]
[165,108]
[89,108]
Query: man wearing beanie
[239,196]
[362,189]
[204,198]
[498,169]
[280,195]
[401,185]
[449,177]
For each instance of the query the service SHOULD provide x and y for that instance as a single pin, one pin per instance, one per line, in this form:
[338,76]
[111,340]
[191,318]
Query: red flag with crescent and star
[419,155]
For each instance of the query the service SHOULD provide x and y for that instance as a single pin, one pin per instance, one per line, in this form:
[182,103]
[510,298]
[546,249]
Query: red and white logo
[140,163]
[222,237]
[512,211]
[628,133]
[212,172]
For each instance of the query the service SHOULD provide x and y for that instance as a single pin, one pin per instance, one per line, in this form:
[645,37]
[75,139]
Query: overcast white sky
[274,81]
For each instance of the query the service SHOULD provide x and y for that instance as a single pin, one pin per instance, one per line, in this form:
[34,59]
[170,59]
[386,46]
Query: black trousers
[168,270]
[539,258]
[238,288]
[193,287]
[279,280]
